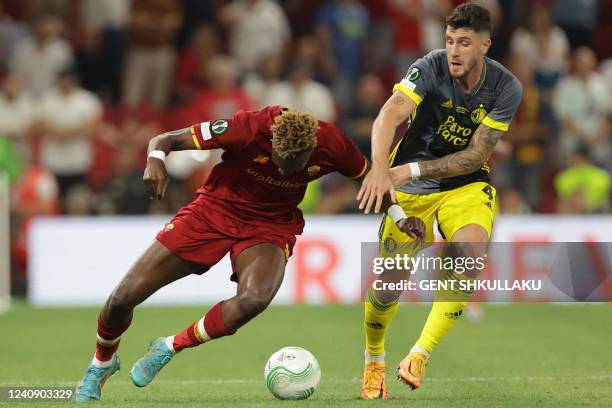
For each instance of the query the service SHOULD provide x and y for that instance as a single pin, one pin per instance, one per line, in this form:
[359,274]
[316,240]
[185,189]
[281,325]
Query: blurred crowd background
[86,83]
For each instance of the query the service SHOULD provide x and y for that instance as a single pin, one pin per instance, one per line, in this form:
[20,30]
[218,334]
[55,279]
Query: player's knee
[120,302]
[473,233]
[252,303]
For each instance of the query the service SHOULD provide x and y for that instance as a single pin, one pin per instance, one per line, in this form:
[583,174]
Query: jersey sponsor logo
[447,104]
[478,114]
[453,132]
[272,181]
[261,159]
[313,170]
[219,126]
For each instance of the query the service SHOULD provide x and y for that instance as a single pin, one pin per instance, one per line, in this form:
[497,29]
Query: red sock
[211,326]
[108,338]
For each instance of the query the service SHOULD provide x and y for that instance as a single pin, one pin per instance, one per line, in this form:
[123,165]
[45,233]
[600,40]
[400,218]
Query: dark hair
[469,15]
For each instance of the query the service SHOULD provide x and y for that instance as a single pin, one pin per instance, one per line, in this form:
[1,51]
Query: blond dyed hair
[293,132]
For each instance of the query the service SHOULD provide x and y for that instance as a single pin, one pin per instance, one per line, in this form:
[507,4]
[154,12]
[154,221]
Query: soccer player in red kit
[247,207]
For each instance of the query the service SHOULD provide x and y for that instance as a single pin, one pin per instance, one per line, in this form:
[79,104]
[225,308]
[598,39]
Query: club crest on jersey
[168,227]
[313,170]
[478,114]
[390,244]
[219,126]
[261,159]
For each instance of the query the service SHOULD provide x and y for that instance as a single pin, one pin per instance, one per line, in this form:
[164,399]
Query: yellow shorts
[473,203]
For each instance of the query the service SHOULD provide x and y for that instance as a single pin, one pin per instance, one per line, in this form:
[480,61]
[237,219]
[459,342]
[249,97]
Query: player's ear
[485,45]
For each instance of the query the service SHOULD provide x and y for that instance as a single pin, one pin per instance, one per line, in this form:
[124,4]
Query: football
[292,373]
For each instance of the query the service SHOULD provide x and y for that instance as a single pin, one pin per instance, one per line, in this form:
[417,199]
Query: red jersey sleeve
[350,161]
[234,133]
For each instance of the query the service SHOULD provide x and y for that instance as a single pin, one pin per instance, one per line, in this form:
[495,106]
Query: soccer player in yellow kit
[458,104]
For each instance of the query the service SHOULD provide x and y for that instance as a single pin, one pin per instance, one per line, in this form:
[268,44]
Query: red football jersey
[248,186]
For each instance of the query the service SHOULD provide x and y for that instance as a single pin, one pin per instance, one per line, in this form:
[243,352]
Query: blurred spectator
[543,45]
[577,18]
[511,201]
[150,58]
[17,116]
[195,14]
[192,62]
[11,32]
[582,102]
[309,50]
[37,60]
[342,27]
[102,45]
[371,96]
[433,24]
[223,97]
[70,115]
[606,71]
[301,92]
[36,194]
[259,82]
[528,138]
[131,132]
[405,16]
[257,28]
[583,187]
[79,201]
[337,195]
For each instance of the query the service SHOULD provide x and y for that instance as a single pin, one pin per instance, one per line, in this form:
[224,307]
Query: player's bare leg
[156,268]
[444,314]
[260,270]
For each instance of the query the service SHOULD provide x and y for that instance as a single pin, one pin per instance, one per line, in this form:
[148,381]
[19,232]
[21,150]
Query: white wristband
[396,213]
[158,154]
[415,170]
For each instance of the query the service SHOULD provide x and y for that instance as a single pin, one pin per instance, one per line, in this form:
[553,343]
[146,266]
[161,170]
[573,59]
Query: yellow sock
[446,309]
[378,317]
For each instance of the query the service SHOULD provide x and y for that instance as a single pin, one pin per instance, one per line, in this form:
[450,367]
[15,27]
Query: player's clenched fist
[156,178]
[413,227]
[374,187]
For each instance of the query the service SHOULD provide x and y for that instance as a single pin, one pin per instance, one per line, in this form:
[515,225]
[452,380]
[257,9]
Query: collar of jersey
[481,81]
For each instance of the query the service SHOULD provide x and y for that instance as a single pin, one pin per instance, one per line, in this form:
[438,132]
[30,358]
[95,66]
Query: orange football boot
[412,369]
[374,385]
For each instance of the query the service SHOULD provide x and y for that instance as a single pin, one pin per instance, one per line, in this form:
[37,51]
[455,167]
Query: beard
[465,69]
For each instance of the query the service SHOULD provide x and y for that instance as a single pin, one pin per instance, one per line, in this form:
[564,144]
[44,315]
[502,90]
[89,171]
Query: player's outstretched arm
[395,111]
[464,162]
[155,175]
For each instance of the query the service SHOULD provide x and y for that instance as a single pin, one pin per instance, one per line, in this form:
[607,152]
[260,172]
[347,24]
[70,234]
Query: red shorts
[201,234]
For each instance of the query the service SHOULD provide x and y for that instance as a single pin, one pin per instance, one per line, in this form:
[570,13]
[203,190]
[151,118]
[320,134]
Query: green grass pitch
[519,355]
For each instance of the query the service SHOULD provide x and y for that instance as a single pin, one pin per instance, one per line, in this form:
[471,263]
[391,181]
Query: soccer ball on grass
[292,373]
